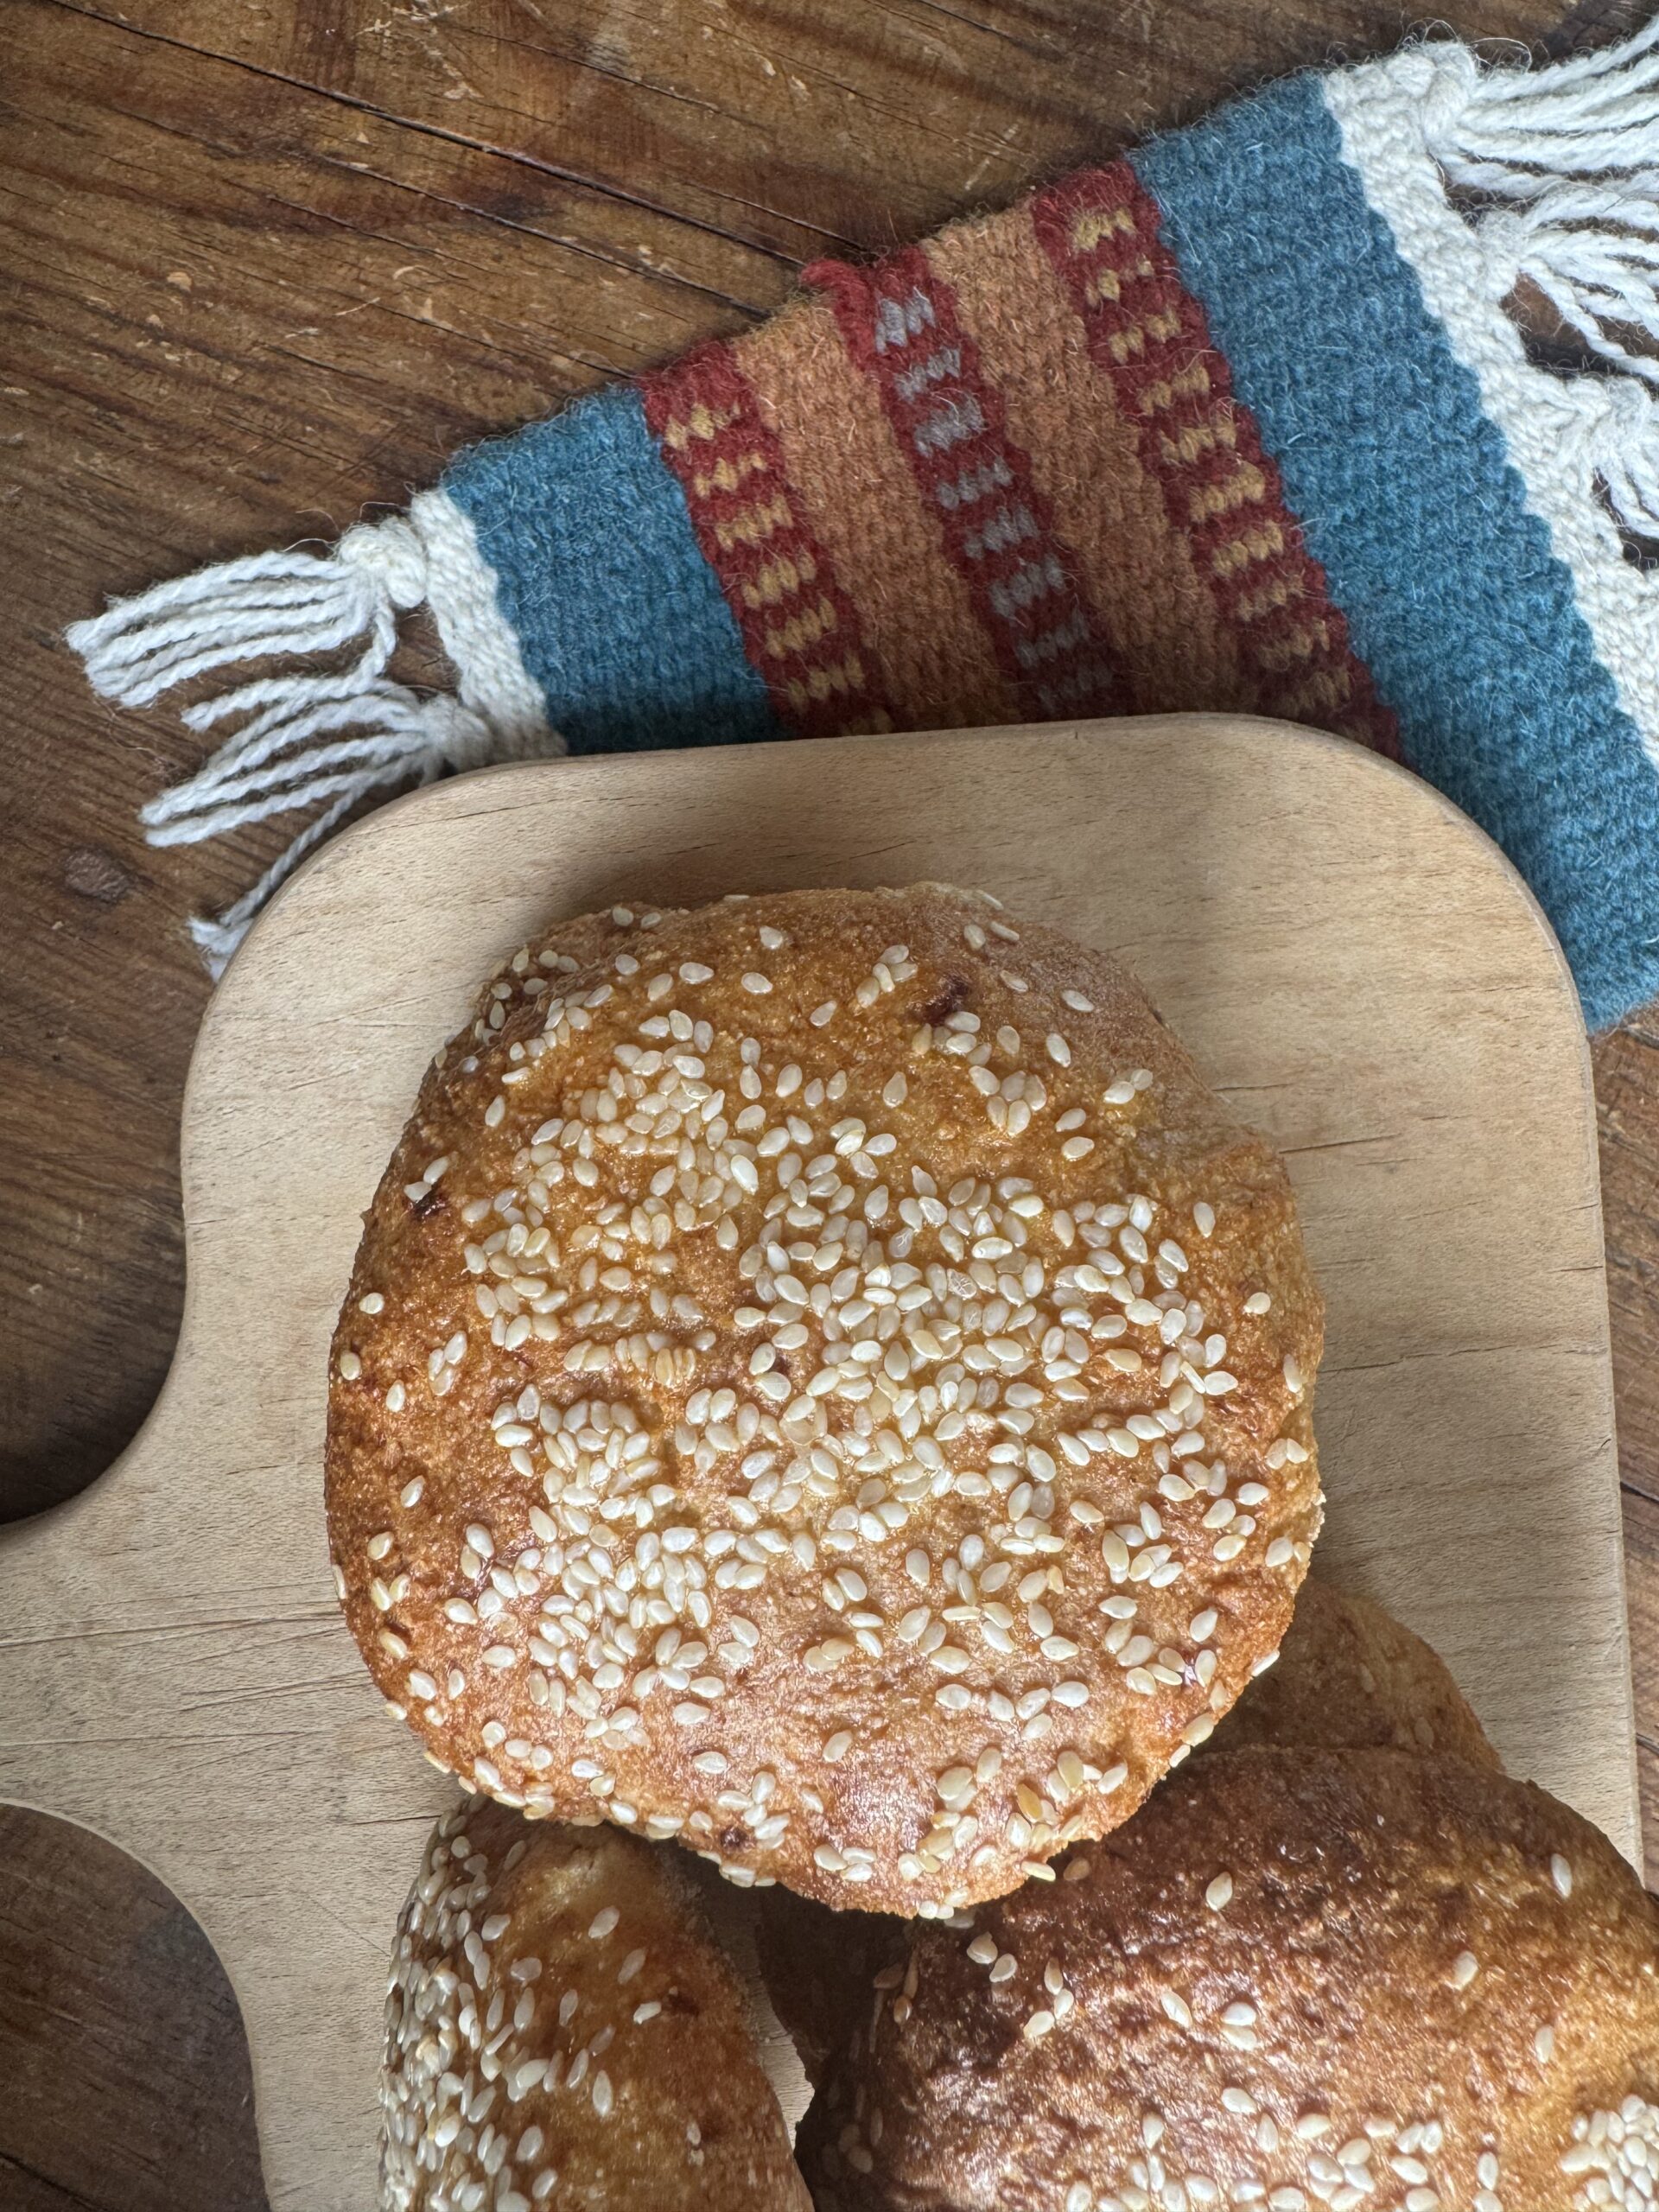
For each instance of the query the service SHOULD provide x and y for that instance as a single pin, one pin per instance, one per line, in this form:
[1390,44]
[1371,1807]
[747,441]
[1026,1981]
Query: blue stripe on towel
[1452,596]
[619,617]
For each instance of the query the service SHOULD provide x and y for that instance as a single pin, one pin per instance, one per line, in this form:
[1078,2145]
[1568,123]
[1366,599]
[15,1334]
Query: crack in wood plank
[421,126]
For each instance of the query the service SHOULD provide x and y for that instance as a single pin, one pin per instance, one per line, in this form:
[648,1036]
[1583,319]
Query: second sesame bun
[1295,1979]
[1350,1678]
[823,1379]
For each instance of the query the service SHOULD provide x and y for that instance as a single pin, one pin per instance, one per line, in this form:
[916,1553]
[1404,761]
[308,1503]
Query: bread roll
[561,2030]
[823,1379]
[1296,1978]
[1350,1678]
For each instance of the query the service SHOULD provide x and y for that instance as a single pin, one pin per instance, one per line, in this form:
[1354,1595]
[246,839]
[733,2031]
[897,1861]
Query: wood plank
[99,2118]
[798,128]
[1627,1089]
[1641,1592]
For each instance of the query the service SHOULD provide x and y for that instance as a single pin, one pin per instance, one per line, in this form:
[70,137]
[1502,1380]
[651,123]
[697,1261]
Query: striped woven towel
[1240,423]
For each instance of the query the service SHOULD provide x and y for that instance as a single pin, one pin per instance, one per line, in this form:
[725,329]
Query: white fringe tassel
[1569,156]
[1559,171]
[306,737]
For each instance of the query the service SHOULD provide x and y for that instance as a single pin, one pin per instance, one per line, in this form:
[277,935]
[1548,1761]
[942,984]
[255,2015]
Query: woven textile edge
[1559,430]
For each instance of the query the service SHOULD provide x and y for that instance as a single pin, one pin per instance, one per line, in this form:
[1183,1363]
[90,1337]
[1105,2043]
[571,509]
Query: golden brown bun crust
[1419,1964]
[893,1544]
[1350,1678]
[557,1993]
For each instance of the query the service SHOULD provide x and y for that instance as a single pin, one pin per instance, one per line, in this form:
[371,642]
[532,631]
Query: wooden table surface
[263,264]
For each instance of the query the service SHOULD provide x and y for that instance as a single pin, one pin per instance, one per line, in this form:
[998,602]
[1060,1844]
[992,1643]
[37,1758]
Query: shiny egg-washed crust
[1343,1976]
[1350,1678]
[911,1513]
[563,2031]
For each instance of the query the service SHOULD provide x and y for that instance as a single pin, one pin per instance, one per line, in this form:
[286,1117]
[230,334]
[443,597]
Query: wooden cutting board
[1351,961]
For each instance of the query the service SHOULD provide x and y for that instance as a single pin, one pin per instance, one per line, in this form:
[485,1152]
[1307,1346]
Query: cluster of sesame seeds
[946,1390]
[476,2025]
[1615,2156]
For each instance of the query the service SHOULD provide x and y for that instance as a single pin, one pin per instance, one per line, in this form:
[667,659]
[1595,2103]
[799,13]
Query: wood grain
[264,265]
[160,2121]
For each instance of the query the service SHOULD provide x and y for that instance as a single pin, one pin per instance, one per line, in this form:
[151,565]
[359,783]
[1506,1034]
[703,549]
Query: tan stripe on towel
[936,666]
[1166,632]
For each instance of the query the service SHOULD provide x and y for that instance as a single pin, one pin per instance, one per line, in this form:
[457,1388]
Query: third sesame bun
[823,1379]
[1350,1678]
[1295,1979]
[563,2030]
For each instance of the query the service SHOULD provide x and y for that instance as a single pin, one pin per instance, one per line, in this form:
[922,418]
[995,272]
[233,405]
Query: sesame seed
[1219,1895]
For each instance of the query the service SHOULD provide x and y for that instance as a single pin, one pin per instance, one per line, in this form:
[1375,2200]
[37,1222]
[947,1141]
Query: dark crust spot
[951,1000]
[431,1201]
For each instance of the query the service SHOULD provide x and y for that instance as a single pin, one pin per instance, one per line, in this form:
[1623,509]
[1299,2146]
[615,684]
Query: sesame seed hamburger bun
[1296,1978]
[562,2030]
[1349,1677]
[823,1379]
